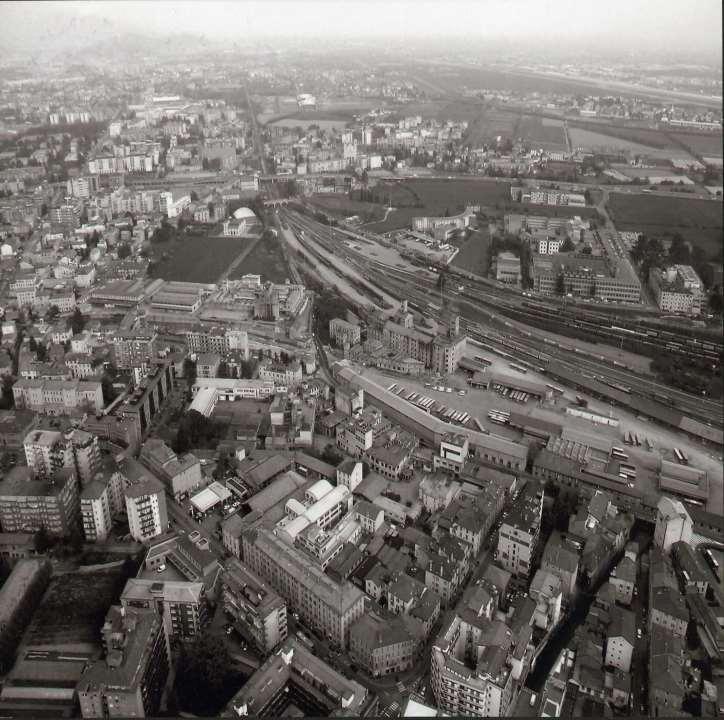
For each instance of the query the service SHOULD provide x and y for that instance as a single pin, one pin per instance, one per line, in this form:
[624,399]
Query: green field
[196,259]
[265,259]
[542,133]
[473,254]
[413,198]
[491,124]
[344,206]
[704,144]
[698,221]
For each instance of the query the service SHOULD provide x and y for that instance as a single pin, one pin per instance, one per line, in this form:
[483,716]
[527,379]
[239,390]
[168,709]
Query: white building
[145,505]
[95,510]
[518,536]
[673,524]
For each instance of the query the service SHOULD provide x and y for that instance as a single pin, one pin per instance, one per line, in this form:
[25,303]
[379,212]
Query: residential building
[28,504]
[145,500]
[623,580]
[295,676]
[133,348]
[382,644]
[258,610]
[518,535]
[349,474]
[621,639]
[562,560]
[182,474]
[343,333]
[329,607]
[673,523]
[130,679]
[545,591]
[182,605]
[677,289]
[58,397]
[95,510]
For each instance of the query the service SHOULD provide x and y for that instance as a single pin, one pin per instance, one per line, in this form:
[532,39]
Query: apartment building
[677,289]
[130,679]
[255,606]
[58,397]
[28,504]
[342,332]
[325,605]
[518,535]
[95,511]
[145,501]
[133,349]
[357,434]
[620,639]
[182,605]
[382,644]
[182,474]
[218,340]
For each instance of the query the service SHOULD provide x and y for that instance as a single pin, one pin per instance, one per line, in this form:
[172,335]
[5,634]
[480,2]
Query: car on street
[638,633]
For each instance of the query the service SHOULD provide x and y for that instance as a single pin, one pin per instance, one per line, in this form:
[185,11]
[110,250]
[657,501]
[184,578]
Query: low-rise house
[621,639]
[623,580]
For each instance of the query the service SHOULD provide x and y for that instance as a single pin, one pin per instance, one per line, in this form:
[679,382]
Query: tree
[52,313]
[77,322]
[205,678]
[7,399]
[124,251]
[33,345]
[42,541]
[42,352]
[223,371]
[679,253]
[109,392]
[210,207]
[567,245]
[560,285]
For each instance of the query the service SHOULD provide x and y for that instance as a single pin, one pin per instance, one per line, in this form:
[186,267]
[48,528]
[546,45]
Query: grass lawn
[699,221]
[473,255]
[197,259]
[265,259]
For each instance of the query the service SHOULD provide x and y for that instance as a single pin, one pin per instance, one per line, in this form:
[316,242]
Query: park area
[696,220]
[197,259]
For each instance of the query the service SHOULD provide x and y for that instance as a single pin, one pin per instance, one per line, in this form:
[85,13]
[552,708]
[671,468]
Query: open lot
[198,259]
[542,133]
[74,608]
[608,139]
[697,220]
[413,198]
[705,144]
[491,124]
[344,206]
[473,254]
[265,259]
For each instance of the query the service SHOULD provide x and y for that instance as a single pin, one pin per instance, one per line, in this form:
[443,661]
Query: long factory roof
[413,413]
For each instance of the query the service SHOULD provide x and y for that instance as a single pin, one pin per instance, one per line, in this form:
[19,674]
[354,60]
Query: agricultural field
[74,607]
[542,133]
[607,139]
[491,124]
[197,259]
[698,221]
[706,145]
[265,259]
[473,254]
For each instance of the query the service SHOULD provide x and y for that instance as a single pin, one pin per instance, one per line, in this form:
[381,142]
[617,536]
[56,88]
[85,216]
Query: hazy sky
[691,23]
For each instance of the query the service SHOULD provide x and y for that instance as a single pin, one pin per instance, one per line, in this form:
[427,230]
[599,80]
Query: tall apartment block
[129,680]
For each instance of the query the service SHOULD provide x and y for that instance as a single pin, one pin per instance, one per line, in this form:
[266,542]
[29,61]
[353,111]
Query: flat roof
[433,424]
